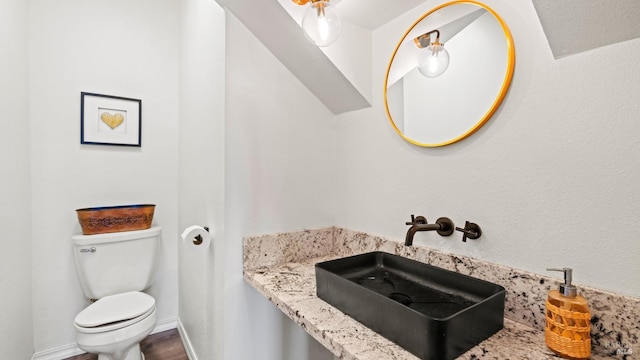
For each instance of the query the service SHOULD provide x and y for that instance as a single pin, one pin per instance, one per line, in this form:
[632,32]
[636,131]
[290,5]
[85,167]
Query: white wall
[120,48]
[201,163]
[280,176]
[16,332]
[551,178]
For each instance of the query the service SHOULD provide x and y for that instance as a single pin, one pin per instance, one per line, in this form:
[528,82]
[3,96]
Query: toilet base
[133,354]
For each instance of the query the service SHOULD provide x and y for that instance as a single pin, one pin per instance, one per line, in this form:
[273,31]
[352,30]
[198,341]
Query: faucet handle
[417,220]
[471,231]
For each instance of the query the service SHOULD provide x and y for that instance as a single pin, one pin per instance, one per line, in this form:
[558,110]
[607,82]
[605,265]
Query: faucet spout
[408,240]
[444,226]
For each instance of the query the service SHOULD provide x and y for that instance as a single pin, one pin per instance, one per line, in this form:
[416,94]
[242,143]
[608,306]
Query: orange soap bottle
[568,321]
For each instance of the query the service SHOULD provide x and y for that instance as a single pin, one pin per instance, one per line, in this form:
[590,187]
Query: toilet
[113,270]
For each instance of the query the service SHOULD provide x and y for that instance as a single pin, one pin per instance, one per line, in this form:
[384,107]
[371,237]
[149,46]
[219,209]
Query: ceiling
[276,24]
[571,26]
[371,14]
[574,26]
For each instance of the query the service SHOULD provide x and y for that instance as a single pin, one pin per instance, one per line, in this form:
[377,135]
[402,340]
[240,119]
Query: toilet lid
[115,308]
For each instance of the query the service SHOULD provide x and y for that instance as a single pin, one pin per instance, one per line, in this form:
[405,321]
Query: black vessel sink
[431,312]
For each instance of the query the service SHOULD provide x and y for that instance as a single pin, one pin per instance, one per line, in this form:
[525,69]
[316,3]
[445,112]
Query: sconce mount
[424,40]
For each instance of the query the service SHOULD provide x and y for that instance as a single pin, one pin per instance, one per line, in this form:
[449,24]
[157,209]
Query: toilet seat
[115,312]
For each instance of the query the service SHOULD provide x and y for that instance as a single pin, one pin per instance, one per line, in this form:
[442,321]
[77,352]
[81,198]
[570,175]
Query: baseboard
[65,351]
[58,353]
[166,324]
[188,348]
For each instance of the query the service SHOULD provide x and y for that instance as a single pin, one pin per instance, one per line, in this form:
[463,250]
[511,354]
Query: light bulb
[320,24]
[434,60]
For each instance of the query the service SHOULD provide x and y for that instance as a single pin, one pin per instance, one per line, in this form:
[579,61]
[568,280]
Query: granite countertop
[291,287]
[282,268]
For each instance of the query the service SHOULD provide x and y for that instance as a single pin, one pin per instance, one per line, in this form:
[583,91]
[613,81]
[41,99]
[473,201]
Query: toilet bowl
[113,326]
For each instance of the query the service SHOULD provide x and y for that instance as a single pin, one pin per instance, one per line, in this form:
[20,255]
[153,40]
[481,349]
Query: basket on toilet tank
[108,219]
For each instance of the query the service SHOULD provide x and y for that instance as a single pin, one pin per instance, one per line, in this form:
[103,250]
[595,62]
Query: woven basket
[568,332]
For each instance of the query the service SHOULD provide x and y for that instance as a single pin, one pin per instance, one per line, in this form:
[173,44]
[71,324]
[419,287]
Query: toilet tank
[115,263]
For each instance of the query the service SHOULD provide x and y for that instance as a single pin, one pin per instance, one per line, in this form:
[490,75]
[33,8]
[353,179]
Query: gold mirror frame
[497,101]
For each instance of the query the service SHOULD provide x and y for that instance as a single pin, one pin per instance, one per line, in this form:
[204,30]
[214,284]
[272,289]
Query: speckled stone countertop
[282,268]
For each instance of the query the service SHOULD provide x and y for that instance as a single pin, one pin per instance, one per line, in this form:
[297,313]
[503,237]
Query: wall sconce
[433,61]
[320,24]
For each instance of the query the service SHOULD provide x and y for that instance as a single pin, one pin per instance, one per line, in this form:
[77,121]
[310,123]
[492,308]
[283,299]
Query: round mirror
[449,73]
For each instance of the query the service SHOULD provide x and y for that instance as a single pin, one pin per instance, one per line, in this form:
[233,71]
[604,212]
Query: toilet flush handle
[91,250]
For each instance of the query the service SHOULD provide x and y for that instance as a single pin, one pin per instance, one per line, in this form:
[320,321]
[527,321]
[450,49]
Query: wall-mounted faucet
[444,226]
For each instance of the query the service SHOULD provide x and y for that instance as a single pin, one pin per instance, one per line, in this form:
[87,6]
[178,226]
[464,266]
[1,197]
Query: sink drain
[403,299]
[378,282]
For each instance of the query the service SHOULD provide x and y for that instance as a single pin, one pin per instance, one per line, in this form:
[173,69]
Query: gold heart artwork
[112,120]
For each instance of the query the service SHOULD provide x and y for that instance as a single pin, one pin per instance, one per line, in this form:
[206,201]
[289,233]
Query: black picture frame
[110,120]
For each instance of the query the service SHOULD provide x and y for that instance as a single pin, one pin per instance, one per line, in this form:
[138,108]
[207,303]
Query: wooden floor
[165,345]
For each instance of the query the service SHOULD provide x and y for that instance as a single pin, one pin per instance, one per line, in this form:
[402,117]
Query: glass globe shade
[433,61]
[320,24]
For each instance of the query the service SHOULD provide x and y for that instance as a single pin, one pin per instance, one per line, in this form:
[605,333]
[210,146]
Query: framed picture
[110,120]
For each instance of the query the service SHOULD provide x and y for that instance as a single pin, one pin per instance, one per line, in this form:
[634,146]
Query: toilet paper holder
[198,238]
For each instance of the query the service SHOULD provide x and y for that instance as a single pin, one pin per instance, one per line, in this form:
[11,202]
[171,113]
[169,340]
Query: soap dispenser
[568,321]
